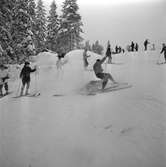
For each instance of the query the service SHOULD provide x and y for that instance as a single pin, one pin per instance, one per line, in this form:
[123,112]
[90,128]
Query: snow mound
[70,77]
[46,59]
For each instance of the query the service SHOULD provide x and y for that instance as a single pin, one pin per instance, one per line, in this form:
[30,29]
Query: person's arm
[32,70]
[162,50]
[103,59]
[21,73]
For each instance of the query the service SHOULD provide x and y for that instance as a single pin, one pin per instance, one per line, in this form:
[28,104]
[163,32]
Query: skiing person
[85,58]
[136,47]
[108,54]
[4,76]
[98,70]
[163,50]
[146,42]
[59,62]
[132,46]
[25,76]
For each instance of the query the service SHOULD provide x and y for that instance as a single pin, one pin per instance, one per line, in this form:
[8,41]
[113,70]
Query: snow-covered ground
[125,128]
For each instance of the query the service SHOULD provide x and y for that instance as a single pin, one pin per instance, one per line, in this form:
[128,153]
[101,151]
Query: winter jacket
[25,73]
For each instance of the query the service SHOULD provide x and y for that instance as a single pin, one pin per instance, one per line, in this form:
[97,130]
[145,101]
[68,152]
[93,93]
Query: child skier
[25,76]
[97,67]
[164,51]
[4,76]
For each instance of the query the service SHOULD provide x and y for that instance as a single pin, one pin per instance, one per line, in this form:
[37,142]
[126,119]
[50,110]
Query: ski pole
[18,88]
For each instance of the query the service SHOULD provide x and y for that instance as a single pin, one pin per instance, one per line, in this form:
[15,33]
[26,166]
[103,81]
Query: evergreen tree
[70,30]
[6,7]
[21,31]
[97,48]
[40,26]
[88,46]
[52,27]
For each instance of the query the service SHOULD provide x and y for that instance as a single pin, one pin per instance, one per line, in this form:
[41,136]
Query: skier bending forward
[97,67]
[25,76]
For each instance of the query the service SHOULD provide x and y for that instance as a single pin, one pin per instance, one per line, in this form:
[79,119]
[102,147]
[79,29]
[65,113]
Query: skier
[136,47]
[146,42]
[85,58]
[98,70]
[108,54]
[132,46]
[163,50]
[59,62]
[25,76]
[4,76]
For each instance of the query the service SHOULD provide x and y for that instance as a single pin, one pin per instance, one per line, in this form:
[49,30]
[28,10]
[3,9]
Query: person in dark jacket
[163,50]
[98,70]
[108,54]
[146,42]
[25,76]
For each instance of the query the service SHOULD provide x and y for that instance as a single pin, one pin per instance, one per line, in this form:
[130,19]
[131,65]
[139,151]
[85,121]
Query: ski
[1,97]
[29,95]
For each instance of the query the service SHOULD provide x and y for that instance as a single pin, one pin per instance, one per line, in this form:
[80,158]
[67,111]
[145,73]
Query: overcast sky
[121,21]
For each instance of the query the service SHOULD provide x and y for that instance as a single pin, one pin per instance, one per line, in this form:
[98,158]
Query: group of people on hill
[97,68]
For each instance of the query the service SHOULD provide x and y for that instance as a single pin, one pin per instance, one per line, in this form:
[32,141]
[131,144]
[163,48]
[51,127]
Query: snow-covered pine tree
[40,26]
[21,31]
[52,27]
[6,7]
[97,48]
[70,26]
[32,31]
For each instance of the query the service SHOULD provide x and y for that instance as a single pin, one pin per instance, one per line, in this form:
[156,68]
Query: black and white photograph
[82,83]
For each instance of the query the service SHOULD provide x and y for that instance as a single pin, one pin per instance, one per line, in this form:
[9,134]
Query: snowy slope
[125,128]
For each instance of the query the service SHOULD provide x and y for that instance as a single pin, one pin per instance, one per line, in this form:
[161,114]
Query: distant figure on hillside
[146,42]
[4,76]
[136,47]
[59,62]
[116,49]
[85,58]
[132,46]
[25,76]
[97,67]
[153,47]
[108,54]
[163,50]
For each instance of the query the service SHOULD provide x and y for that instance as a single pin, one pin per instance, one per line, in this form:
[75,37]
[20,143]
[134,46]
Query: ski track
[122,128]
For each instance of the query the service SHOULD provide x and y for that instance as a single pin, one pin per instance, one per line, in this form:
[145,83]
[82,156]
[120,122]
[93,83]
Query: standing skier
[132,46]
[25,76]
[97,67]
[163,50]
[108,54]
[4,76]
[85,58]
[146,42]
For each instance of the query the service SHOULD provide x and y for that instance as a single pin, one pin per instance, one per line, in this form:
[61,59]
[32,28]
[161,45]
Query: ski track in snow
[122,128]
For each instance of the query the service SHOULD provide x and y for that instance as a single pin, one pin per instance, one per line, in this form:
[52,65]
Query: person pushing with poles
[98,70]
[25,77]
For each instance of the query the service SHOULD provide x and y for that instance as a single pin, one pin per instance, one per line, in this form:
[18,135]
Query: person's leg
[165,57]
[22,87]
[27,88]
[109,76]
[6,87]
[1,93]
